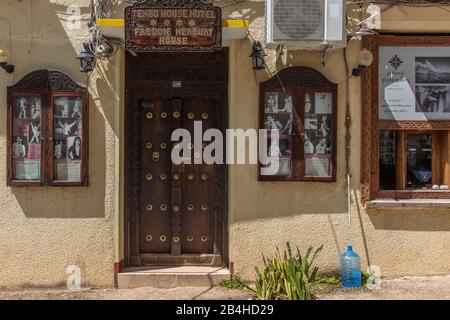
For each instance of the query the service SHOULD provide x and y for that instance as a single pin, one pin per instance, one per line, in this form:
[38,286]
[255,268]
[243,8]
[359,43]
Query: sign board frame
[147,43]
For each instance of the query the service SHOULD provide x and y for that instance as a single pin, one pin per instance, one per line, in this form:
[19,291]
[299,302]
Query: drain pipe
[348,121]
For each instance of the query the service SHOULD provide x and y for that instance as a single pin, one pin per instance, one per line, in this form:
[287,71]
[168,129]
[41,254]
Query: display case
[47,131]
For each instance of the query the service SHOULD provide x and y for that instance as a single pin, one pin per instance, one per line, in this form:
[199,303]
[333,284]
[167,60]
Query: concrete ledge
[408,204]
[171,277]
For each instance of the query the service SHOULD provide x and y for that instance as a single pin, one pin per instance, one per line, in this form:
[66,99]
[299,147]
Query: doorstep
[171,276]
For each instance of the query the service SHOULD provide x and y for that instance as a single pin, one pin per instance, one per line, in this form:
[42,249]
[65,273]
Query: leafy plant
[324,284]
[364,278]
[286,275]
[328,280]
[234,282]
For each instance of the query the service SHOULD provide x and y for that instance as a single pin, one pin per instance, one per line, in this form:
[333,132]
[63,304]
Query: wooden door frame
[132,255]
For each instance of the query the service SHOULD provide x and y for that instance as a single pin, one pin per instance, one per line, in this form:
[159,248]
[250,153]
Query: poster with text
[414,83]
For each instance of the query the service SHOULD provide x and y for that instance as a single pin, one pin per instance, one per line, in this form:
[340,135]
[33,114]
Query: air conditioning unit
[306,24]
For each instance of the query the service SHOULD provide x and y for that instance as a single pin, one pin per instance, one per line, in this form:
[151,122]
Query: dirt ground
[417,288]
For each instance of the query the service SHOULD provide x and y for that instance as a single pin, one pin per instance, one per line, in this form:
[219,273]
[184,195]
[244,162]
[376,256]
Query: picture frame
[313,115]
[31,139]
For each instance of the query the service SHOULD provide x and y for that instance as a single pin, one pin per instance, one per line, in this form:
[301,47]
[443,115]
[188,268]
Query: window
[47,131]
[298,110]
[406,118]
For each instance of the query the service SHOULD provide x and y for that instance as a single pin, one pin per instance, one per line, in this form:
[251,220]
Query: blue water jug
[350,268]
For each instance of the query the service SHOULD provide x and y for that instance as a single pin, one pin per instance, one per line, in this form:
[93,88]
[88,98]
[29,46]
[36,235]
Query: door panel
[199,184]
[155,217]
[174,213]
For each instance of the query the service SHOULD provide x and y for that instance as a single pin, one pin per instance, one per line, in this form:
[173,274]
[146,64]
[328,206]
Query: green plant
[324,284]
[286,276]
[328,280]
[364,278]
[234,282]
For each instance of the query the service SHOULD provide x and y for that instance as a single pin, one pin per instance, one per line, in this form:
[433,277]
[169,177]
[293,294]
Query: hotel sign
[173,26]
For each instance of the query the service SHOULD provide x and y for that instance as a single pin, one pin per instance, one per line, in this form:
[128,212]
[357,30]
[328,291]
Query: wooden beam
[400,160]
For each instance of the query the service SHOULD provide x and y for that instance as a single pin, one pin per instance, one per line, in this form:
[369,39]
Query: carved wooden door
[175,212]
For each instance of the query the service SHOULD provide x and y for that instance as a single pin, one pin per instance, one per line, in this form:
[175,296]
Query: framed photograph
[66,127]
[278,147]
[271,104]
[433,98]
[317,165]
[280,122]
[60,149]
[323,102]
[47,129]
[34,132]
[432,69]
[414,83]
[311,121]
[277,167]
[20,147]
[27,171]
[69,147]
[24,135]
[301,123]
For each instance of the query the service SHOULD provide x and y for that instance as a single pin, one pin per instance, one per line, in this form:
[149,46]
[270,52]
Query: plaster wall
[263,215]
[43,230]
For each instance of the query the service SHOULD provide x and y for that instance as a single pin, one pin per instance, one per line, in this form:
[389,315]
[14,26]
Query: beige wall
[264,215]
[44,230]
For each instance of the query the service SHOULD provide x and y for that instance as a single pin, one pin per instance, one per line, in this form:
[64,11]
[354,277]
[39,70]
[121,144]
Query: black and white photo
[323,145]
[60,149]
[310,141]
[277,147]
[432,69]
[432,99]
[309,103]
[271,105]
[282,123]
[34,132]
[324,125]
[27,107]
[19,147]
[66,127]
[310,121]
[61,107]
[75,108]
[74,148]
[323,102]
[285,103]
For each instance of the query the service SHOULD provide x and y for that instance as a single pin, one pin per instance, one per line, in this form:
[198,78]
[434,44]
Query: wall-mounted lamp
[87,59]
[365,59]
[9,68]
[258,55]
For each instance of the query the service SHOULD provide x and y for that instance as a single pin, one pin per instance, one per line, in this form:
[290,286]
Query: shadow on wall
[72,202]
[46,39]
[60,202]
[410,220]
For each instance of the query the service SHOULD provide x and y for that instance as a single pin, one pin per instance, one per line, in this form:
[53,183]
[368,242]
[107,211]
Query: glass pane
[318,134]
[67,139]
[26,144]
[387,157]
[278,123]
[419,163]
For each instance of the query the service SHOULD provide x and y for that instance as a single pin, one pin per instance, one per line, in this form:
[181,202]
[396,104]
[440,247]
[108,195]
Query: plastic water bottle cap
[349,248]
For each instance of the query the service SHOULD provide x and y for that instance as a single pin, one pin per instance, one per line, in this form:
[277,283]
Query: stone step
[171,276]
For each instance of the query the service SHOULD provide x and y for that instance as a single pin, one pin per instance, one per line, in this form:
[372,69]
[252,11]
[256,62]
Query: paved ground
[408,288]
[405,288]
